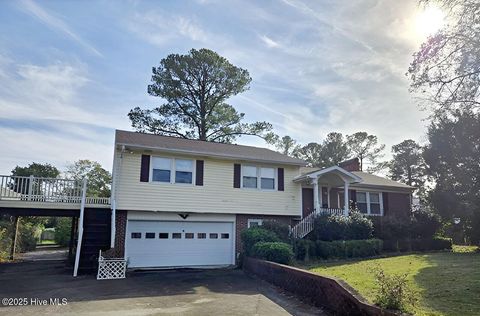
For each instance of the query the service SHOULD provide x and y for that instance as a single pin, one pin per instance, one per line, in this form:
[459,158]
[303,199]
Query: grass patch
[47,242]
[445,283]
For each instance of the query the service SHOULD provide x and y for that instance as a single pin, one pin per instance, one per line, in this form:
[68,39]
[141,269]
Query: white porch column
[345,195]
[328,196]
[316,203]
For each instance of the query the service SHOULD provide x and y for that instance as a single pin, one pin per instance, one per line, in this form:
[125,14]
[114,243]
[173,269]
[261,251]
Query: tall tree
[453,161]
[366,148]
[407,165]
[334,149]
[196,87]
[311,153]
[286,145]
[37,170]
[99,179]
[445,72]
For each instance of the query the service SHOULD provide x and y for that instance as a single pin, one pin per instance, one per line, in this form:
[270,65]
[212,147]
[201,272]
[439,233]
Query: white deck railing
[50,190]
[306,225]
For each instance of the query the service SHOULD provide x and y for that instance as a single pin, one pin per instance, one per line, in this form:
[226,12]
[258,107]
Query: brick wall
[242,224]
[312,288]
[121,226]
[398,204]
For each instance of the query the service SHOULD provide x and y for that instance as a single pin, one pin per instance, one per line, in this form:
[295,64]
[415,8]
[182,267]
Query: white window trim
[380,197]
[259,177]
[172,171]
[254,220]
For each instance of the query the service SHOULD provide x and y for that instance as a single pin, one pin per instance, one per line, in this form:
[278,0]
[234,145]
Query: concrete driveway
[174,292]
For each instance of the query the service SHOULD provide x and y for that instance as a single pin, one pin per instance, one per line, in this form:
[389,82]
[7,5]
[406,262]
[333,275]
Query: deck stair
[306,225]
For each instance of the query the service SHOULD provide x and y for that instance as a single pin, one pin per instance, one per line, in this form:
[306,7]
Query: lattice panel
[110,269]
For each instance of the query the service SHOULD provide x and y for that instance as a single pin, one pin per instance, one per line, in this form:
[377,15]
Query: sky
[70,71]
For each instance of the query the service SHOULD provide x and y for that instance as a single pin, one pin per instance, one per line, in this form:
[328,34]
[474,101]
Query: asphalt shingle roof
[176,144]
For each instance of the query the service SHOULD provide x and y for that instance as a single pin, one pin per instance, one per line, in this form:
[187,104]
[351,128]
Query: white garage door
[179,244]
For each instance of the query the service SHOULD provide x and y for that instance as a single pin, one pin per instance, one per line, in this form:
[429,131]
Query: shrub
[424,223]
[62,231]
[392,227]
[253,235]
[280,229]
[27,236]
[393,290]
[305,249]
[3,244]
[348,248]
[354,226]
[279,252]
[358,227]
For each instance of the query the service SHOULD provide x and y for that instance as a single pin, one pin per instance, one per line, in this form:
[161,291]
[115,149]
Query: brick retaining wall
[313,288]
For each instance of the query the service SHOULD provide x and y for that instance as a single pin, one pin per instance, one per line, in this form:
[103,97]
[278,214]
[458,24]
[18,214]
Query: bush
[424,223]
[253,235]
[393,290]
[392,227]
[348,248]
[62,231]
[3,244]
[279,252]
[421,244]
[27,236]
[305,249]
[355,226]
[280,229]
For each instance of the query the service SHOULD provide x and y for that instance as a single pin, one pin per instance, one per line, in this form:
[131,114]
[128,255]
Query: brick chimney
[350,165]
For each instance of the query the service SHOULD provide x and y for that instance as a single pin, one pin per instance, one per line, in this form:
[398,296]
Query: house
[180,202]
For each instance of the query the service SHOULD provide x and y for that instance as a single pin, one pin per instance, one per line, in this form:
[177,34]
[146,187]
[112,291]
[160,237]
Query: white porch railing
[50,190]
[305,226]
[111,268]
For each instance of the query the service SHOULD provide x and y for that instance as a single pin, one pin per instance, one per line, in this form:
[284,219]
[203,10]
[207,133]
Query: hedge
[279,252]
[337,249]
[253,235]
[422,244]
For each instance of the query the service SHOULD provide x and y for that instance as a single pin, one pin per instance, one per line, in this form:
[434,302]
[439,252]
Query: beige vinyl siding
[217,195]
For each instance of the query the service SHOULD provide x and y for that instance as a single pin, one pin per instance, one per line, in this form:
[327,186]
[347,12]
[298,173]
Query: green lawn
[445,283]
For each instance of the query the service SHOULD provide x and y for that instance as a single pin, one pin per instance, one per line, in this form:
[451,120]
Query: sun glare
[429,21]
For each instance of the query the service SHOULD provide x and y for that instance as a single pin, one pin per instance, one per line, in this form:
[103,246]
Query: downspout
[80,228]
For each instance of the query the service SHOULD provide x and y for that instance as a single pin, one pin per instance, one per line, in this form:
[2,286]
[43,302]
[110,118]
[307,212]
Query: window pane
[249,182]
[201,235]
[361,197]
[149,235]
[362,207]
[183,165]
[374,198]
[136,235]
[213,235]
[161,175]
[267,173]
[188,235]
[268,183]
[374,208]
[161,163]
[183,177]
[176,235]
[249,171]
[225,235]
[163,235]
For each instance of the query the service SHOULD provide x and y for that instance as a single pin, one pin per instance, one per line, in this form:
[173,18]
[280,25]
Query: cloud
[268,41]
[55,23]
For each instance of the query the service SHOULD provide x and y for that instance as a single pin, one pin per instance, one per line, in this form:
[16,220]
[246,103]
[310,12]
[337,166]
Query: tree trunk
[14,237]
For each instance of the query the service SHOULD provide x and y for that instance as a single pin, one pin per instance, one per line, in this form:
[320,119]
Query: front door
[307,201]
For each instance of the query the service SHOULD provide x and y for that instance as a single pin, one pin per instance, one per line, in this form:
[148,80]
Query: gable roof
[333,169]
[369,179]
[144,141]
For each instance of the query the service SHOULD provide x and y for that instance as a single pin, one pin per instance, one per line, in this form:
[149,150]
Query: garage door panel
[167,252]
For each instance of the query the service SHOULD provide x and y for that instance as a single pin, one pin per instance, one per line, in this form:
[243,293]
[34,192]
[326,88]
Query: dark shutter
[385,202]
[145,168]
[236,175]
[353,198]
[281,181]
[199,173]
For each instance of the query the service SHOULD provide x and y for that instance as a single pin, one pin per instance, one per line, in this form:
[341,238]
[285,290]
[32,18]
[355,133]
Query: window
[189,235]
[163,235]
[213,236]
[362,202]
[201,235]
[254,222]
[370,203]
[249,176]
[150,235]
[176,235]
[183,171]
[225,235]
[375,204]
[161,169]
[136,235]
[267,178]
